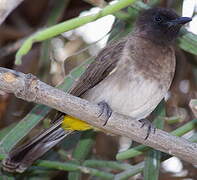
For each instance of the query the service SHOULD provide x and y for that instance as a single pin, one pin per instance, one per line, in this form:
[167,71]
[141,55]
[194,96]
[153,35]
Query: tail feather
[22,157]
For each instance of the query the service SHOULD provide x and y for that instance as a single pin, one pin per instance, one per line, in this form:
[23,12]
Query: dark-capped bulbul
[130,76]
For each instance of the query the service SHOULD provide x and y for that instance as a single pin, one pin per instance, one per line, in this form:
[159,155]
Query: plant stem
[68,25]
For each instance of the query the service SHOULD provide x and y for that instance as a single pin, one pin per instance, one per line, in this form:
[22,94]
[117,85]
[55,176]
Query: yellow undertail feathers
[71,123]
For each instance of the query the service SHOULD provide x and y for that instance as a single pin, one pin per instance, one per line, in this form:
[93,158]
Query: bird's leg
[149,125]
[105,110]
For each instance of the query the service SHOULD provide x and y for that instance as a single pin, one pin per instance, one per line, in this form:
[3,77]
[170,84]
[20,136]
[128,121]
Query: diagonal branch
[29,88]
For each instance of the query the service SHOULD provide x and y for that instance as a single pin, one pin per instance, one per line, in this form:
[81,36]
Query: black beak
[179,21]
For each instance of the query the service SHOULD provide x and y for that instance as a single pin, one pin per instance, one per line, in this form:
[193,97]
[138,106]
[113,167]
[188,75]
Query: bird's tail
[22,157]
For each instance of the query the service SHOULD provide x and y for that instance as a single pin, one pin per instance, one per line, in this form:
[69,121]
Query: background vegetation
[86,155]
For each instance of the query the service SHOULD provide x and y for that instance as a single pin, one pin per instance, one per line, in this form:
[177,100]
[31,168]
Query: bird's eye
[158,19]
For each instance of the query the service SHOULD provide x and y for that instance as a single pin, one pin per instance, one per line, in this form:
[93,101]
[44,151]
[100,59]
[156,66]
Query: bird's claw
[105,110]
[149,125]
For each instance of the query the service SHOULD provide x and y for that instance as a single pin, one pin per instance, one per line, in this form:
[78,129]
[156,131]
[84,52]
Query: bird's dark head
[161,25]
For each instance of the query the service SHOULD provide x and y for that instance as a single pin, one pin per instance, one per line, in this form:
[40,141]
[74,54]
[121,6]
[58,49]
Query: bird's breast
[136,97]
[138,83]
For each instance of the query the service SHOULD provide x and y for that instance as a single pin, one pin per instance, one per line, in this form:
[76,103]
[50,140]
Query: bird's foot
[149,125]
[105,110]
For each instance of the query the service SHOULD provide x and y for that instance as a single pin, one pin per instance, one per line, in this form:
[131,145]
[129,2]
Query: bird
[129,76]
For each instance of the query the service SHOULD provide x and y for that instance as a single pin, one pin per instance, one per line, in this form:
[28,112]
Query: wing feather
[104,63]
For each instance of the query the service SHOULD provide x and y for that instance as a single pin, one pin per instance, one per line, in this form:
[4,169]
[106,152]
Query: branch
[6,7]
[138,150]
[29,88]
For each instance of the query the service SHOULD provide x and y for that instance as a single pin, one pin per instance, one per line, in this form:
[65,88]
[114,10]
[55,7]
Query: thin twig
[29,88]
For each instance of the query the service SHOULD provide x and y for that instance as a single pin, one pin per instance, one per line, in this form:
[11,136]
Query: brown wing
[104,63]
